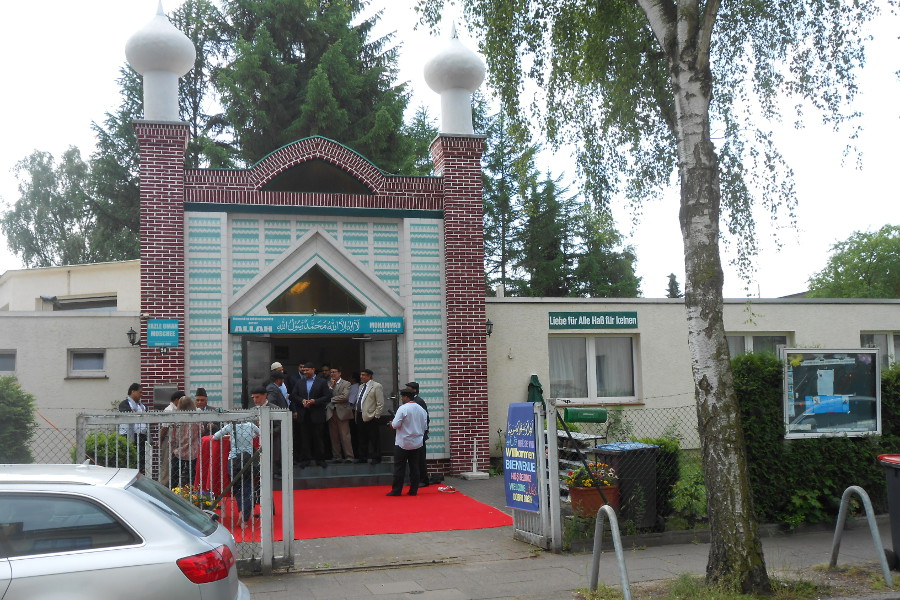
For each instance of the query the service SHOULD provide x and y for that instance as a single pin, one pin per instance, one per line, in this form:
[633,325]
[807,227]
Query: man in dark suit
[309,402]
[136,432]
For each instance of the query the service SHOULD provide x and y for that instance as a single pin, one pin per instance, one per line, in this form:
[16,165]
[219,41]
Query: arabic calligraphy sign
[315,324]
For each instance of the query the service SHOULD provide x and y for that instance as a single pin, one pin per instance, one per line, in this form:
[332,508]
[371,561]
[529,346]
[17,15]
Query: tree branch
[661,14]
[710,12]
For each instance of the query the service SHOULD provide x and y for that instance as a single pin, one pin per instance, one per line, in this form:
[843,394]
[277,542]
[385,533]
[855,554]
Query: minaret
[455,73]
[162,54]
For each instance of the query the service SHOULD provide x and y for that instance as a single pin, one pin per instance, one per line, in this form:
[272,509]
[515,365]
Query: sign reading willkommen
[520,458]
[162,333]
[316,324]
[593,320]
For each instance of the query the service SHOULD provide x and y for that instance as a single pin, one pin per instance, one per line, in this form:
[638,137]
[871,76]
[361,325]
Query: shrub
[109,450]
[17,423]
[667,471]
[689,493]
[802,480]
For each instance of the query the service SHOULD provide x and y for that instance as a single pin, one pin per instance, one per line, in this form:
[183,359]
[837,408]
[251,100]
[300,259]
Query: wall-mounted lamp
[133,337]
[489,327]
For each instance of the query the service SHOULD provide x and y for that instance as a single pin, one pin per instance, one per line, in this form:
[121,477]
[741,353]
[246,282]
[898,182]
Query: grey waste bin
[891,464]
[635,466]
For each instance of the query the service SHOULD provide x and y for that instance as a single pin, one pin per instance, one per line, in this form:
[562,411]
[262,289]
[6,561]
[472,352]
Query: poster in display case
[830,392]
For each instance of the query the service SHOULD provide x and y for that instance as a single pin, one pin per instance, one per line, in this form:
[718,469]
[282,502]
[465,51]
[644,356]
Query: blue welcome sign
[520,458]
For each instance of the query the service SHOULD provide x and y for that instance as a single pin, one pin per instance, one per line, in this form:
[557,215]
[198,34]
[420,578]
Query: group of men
[338,419]
[330,412]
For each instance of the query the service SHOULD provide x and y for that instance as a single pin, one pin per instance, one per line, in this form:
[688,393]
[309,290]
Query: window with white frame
[593,368]
[87,362]
[7,361]
[888,344]
[739,344]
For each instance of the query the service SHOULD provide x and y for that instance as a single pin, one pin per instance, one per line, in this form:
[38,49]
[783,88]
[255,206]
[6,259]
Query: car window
[40,523]
[173,506]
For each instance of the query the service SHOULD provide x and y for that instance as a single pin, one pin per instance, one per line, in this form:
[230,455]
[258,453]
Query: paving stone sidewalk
[489,563]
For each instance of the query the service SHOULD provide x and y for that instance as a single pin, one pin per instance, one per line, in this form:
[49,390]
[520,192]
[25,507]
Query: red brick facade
[166,186]
[458,161]
[162,147]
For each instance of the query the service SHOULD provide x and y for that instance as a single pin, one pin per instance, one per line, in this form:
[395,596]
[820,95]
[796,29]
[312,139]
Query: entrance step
[343,475]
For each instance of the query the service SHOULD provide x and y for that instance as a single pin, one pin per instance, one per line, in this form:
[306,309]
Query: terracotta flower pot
[587,501]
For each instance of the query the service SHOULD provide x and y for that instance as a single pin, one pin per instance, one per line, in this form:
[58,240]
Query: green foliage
[109,450]
[865,265]
[618,427]
[507,169]
[890,401]
[546,246]
[802,480]
[17,422]
[674,289]
[420,132]
[689,493]
[114,172]
[804,507]
[668,471]
[604,266]
[203,24]
[52,222]
[296,69]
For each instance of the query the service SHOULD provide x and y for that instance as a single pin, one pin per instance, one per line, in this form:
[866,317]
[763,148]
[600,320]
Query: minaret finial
[162,54]
[455,73]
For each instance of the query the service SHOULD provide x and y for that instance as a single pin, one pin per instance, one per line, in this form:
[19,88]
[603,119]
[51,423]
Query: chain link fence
[642,461]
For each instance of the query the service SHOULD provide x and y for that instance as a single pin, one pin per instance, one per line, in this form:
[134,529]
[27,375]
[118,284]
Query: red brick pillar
[162,148]
[457,159]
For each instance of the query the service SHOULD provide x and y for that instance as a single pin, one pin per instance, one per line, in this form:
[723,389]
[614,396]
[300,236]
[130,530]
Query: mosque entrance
[350,353]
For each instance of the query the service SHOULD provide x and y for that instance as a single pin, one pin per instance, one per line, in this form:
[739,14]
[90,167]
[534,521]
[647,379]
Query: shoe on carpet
[392,494]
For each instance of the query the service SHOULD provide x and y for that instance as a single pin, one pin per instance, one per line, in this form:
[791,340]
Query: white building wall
[21,290]
[518,346]
[43,342]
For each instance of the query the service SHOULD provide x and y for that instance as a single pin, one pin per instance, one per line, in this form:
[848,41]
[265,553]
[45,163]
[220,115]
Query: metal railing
[187,451]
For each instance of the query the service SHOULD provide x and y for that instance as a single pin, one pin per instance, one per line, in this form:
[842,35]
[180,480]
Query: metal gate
[543,528]
[169,439]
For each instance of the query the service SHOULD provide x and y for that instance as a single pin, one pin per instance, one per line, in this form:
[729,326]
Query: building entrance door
[349,353]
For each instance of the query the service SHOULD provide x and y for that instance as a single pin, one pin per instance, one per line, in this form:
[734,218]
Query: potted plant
[583,493]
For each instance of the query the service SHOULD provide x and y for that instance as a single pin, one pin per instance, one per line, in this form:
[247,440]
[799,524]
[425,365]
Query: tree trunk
[735,556]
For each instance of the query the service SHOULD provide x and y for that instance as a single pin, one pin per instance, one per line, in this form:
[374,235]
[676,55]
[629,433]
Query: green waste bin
[635,466]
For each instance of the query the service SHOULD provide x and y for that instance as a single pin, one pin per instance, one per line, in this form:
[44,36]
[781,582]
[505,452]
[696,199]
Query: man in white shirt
[410,422]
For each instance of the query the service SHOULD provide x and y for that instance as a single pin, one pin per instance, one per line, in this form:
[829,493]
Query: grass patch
[688,587]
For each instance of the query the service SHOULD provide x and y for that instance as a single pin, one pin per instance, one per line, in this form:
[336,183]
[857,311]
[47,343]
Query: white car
[81,532]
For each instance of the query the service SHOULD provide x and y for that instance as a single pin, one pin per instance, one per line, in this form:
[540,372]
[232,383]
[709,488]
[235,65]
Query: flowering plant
[196,496]
[604,474]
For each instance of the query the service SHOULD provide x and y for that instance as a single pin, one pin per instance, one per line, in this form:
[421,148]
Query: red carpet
[339,512]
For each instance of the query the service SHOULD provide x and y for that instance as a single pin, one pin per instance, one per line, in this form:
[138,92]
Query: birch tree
[640,86]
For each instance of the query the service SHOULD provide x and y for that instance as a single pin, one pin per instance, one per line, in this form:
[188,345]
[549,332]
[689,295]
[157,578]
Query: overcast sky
[61,59]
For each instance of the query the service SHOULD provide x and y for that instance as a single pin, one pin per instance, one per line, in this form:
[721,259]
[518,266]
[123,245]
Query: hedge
[802,480]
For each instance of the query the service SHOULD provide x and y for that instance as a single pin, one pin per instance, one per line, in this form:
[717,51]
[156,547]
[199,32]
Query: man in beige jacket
[369,406]
[339,415]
